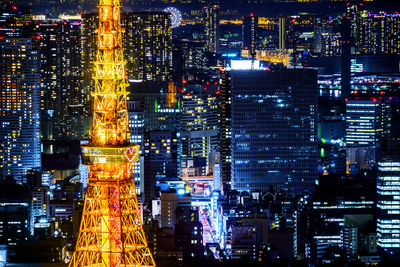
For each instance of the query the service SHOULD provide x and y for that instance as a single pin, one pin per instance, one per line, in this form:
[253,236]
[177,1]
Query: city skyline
[191,133]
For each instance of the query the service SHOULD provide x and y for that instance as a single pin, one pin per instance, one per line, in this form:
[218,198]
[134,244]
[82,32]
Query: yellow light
[110,157]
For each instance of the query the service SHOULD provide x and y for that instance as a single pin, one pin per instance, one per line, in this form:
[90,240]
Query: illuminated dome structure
[176,16]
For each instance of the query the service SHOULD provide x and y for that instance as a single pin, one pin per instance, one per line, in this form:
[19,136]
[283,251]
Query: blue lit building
[19,107]
[367,121]
[136,126]
[388,196]
[274,127]
[225,146]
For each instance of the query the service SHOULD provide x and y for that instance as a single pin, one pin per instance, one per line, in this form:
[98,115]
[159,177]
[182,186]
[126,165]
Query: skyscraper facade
[200,120]
[327,37]
[211,24]
[376,33]
[367,121]
[62,96]
[19,107]
[60,64]
[88,54]
[14,215]
[148,45]
[136,127]
[50,64]
[282,33]
[226,127]
[273,128]
[250,33]
[388,196]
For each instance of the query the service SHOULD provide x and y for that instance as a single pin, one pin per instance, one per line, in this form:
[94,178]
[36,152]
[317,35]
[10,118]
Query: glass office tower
[273,128]
[19,107]
[367,121]
[388,196]
[199,125]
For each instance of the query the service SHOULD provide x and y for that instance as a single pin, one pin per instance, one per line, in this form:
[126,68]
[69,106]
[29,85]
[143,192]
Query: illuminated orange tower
[111,232]
[171,95]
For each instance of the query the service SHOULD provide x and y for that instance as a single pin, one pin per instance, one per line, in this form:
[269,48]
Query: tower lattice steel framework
[111,232]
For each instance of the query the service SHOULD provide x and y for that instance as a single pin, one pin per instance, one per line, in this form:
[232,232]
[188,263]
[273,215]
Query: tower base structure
[111,232]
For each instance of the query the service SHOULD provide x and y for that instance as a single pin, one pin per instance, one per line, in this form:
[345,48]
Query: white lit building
[136,127]
[388,204]
[367,121]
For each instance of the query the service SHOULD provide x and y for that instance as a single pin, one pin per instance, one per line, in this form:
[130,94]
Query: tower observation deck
[111,231]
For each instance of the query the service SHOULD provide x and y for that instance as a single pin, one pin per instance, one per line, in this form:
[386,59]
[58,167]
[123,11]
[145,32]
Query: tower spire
[111,232]
[110,116]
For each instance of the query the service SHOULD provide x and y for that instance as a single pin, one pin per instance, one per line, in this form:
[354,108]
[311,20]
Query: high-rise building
[376,33]
[226,131]
[282,33]
[367,121]
[200,120]
[346,43]
[211,26]
[338,221]
[136,121]
[19,106]
[71,77]
[90,22]
[297,33]
[354,13]
[148,46]
[62,97]
[327,37]
[330,44]
[274,134]
[388,201]
[136,127]
[190,60]
[60,64]
[50,64]
[250,34]
[158,112]
[170,201]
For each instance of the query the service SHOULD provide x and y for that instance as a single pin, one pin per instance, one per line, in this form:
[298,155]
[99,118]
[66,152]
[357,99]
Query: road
[208,236]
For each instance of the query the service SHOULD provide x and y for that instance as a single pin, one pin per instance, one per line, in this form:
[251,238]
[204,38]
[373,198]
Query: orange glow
[171,95]
[111,231]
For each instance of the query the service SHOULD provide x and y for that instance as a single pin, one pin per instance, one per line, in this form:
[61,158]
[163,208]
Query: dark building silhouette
[250,34]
